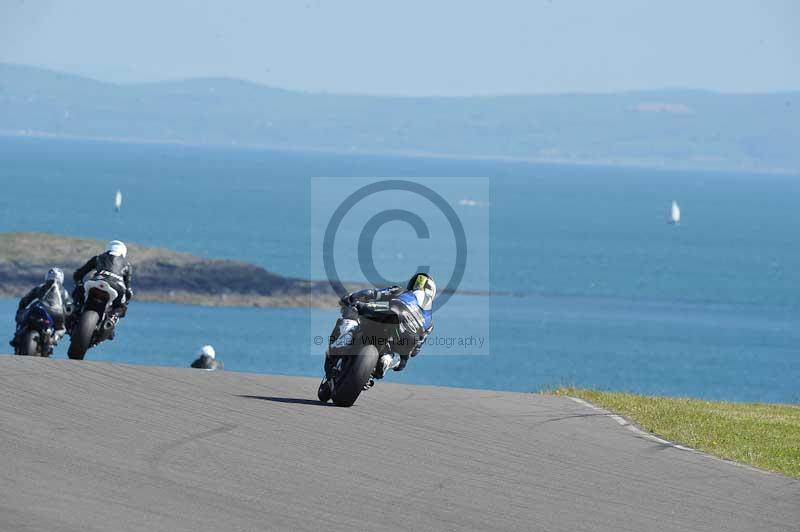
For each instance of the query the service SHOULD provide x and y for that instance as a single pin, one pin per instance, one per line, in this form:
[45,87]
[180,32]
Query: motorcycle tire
[29,345]
[82,335]
[324,391]
[357,371]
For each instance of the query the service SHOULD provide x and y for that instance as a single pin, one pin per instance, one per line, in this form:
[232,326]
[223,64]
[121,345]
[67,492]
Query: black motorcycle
[36,336]
[354,365]
[94,322]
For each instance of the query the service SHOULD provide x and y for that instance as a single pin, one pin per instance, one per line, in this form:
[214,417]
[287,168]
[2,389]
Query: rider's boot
[385,363]
[383,366]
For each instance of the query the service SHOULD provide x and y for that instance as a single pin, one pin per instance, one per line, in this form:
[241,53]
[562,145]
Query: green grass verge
[763,435]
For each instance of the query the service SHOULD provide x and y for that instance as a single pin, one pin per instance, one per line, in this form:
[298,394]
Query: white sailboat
[118,201]
[675,213]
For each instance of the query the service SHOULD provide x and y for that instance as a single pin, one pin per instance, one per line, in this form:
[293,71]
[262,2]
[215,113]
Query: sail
[118,201]
[675,215]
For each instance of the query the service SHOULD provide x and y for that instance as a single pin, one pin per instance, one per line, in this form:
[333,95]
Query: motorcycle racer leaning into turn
[56,299]
[113,266]
[413,306]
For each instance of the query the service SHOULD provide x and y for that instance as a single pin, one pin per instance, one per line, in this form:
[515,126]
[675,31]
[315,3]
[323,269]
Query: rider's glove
[128,294]
[350,312]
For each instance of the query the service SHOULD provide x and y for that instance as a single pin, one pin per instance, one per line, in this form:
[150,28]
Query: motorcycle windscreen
[53,300]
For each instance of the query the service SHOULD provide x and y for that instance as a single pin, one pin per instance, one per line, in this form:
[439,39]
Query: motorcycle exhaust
[107,330]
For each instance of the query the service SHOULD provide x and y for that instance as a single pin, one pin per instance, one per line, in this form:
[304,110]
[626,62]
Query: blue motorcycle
[36,335]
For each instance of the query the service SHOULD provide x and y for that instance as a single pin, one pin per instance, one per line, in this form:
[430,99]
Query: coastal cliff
[158,274]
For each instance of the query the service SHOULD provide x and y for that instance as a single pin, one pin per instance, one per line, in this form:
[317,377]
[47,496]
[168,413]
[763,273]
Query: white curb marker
[631,427]
[652,437]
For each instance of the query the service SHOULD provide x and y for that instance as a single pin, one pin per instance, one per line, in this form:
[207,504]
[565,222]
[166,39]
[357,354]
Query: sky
[417,47]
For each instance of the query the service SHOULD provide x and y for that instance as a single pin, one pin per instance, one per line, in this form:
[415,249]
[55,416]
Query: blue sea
[590,286]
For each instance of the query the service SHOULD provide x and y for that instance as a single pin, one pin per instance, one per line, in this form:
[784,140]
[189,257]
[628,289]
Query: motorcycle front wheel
[324,391]
[29,345]
[82,334]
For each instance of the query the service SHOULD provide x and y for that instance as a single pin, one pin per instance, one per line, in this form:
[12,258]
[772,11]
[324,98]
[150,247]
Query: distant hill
[653,128]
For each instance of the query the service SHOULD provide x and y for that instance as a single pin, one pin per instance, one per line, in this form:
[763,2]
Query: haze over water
[597,289]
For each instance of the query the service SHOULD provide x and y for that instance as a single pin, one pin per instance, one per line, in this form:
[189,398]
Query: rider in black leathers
[114,268]
[58,304]
[207,359]
[413,307]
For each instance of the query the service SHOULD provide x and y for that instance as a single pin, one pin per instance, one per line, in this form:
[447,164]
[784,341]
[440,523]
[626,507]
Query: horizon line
[430,95]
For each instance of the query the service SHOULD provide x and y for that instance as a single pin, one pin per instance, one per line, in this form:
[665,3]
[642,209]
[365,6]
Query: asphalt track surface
[97,446]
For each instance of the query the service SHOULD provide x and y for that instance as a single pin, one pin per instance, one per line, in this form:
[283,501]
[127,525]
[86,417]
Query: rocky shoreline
[159,274]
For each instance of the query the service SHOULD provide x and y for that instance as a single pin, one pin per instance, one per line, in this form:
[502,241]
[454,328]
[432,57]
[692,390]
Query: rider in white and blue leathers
[413,306]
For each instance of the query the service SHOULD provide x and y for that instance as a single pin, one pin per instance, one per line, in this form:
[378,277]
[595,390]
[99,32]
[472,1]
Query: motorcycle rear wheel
[82,334]
[355,374]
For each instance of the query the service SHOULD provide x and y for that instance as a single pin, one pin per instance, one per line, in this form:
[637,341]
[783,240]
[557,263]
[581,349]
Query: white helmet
[117,248]
[208,351]
[56,274]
